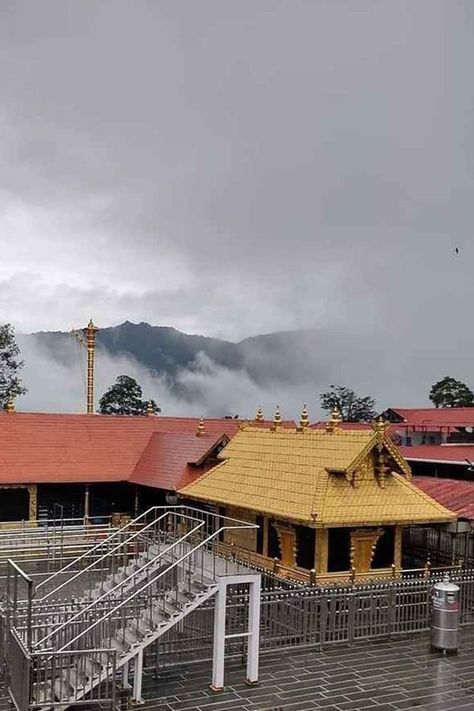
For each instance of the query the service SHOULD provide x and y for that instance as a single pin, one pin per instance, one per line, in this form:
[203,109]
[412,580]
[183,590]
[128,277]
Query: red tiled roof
[64,448]
[450,453]
[435,417]
[458,496]
[168,459]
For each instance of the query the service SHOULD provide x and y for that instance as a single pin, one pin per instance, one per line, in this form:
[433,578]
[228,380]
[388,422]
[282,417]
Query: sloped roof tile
[288,474]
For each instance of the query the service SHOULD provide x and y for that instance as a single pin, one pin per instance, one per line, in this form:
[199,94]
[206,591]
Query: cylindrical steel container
[445,616]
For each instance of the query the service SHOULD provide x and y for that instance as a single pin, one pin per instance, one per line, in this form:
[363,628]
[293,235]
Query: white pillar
[217,683]
[137,679]
[125,682]
[254,631]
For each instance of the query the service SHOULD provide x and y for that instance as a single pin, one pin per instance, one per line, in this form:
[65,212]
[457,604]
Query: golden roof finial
[91,326]
[10,406]
[304,418]
[200,428]
[259,415]
[380,425]
[335,420]
[276,419]
[150,410]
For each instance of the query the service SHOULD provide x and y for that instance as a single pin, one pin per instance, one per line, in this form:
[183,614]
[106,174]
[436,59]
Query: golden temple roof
[336,478]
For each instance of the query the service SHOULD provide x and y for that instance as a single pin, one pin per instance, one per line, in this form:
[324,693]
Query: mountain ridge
[164,350]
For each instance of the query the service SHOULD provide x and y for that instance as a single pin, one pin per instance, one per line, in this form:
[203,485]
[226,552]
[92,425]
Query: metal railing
[67,651]
[98,552]
[158,583]
[42,548]
[300,617]
[160,568]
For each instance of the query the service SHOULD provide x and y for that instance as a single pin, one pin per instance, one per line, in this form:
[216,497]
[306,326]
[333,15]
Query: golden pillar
[287,540]
[33,502]
[321,551]
[397,553]
[90,333]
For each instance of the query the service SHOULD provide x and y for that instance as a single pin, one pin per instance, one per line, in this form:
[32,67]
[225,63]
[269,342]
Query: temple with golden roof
[331,501]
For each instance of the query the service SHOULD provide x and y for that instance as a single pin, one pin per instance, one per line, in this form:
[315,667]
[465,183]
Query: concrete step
[62,688]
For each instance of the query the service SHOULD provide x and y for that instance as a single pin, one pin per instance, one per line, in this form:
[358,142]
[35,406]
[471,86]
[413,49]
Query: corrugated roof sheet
[290,474]
[440,453]
[455,495]
[436,417]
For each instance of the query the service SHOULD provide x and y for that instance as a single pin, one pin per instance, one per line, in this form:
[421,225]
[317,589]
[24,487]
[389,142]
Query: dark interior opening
[106,499]
[57,501]
[14,505]
[273,545]
[339,553]
[305,547]
[384,551]
[260,523]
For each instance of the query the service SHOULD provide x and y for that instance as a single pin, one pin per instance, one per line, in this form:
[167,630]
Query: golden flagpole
[90,333]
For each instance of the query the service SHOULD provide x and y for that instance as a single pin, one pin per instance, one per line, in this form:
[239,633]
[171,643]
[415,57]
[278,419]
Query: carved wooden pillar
[397,553]
[321,551]
[287,540]
[33,502]
[363,543]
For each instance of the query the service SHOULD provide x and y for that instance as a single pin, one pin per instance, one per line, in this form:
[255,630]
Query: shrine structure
[328,502]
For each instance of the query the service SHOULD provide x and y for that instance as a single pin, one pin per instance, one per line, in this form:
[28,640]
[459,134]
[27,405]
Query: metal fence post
[351,603]
[323,620]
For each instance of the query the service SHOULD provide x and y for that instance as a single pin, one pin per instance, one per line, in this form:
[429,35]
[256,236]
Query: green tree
[352,407]
[125,398]
[10,366]
[449,392]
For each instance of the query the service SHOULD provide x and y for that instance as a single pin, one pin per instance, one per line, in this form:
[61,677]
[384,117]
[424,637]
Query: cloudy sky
[233,167]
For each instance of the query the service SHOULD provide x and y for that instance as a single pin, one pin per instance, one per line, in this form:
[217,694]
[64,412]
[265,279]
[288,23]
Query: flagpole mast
[90,334]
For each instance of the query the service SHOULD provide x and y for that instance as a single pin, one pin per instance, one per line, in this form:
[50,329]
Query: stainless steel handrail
[118,532]
[109,593]
[95,562]
[153,581]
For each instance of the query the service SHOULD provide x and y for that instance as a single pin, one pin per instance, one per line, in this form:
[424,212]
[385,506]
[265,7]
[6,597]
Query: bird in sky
[456,250]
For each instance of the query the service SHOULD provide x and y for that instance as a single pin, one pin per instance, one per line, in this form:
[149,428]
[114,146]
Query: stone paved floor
[400,675]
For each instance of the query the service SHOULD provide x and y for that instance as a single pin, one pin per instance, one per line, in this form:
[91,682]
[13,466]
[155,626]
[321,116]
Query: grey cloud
[233,168]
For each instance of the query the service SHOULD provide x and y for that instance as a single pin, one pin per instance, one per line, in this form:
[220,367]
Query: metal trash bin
[444,628]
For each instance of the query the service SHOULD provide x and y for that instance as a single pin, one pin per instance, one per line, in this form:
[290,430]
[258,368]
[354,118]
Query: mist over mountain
[193,375]
[165,352]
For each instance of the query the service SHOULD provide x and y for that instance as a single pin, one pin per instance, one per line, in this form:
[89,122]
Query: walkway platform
[400,675]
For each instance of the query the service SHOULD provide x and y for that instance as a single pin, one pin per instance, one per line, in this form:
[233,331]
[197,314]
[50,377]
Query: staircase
[99,614]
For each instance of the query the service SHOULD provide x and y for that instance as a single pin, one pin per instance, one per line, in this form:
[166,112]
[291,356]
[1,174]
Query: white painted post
[125,680]
[254,631]
[137,679]
[217,683]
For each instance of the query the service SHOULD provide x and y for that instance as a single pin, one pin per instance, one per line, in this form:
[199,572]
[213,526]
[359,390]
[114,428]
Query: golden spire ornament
[276,419]
[304,418]
[259,415]
[200,428]
[380,425]
[150,410]
[335,420]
